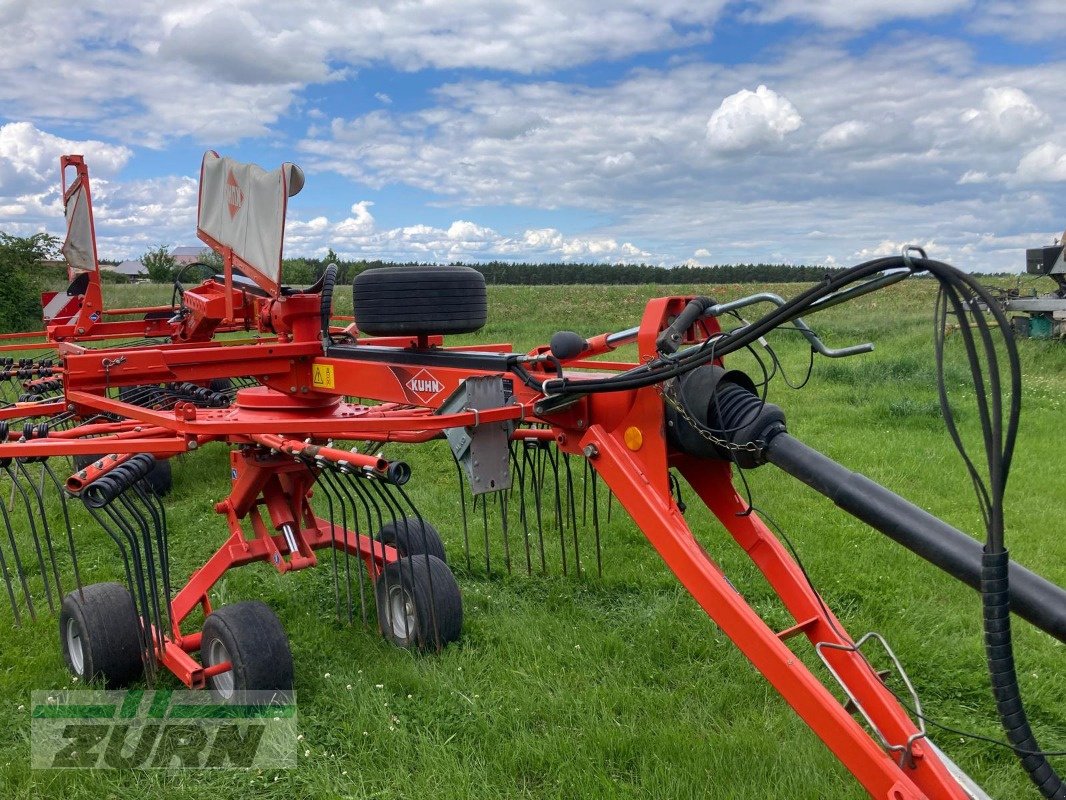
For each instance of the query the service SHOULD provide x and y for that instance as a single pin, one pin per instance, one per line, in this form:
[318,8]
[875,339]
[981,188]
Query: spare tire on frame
[419,301]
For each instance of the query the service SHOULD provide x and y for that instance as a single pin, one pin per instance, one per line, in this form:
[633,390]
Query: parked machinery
[310,405]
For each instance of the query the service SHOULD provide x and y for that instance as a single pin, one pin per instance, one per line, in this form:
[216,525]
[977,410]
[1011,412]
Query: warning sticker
[322,376]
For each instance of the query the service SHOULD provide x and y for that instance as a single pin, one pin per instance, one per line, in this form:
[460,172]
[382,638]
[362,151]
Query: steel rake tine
[19,570]
[141,597]
[328,494]
[141,522]
[596,519]
[327,477]
[150,500]
[520,479]
[10,588]
[532,469]
[33,532]
[462,504]
[100,514]
[38,491]
[501,499]
[570,507]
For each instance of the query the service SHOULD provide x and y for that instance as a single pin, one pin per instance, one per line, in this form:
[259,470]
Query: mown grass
[620,686]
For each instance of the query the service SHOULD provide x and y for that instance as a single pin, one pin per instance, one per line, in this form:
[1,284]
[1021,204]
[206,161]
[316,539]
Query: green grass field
[620,686]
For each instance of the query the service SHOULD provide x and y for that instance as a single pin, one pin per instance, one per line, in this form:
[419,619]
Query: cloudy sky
[657,131]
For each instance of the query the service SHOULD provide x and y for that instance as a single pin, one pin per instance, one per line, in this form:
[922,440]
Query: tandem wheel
[100,635]
[413,536]
[250,637]
[419,603]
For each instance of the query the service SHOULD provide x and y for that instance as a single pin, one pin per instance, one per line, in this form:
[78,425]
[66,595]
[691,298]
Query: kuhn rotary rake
[525,429]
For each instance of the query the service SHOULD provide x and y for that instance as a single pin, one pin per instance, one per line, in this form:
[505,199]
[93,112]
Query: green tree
[160,264]
[20,306]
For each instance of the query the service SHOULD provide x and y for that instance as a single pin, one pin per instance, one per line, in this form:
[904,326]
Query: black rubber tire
[412,536]
[401,301]
[220,385]
[257,647]
[432,600]
[160,478]
[108,635]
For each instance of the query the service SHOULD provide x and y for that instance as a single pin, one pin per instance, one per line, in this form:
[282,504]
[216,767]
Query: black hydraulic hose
[1031,597]
[329,281]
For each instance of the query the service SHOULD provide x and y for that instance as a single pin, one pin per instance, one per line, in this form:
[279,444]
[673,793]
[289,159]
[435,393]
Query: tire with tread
[413,536]
[250,636]
[100,635]
[419,603]
[401,301]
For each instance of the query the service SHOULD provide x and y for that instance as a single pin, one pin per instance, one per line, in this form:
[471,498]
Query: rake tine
[596,520]
[573,511]
[462,505]
[100,515]
[38,491]
[152,503]
[328,494]
[354,483]
[520,475]
[327,476]
[19,570]
[141,522]
[531,467]
[33,532]
[502,502]
[558,508]
[10,588]
[141,598]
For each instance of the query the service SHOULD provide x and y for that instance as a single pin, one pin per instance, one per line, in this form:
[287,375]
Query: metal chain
[754,448]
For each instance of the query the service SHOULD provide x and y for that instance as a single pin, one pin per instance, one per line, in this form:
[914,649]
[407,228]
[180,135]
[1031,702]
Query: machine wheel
[161,477]
[413,536]
[100,635]
[249,636]
[400,301]
[419,603]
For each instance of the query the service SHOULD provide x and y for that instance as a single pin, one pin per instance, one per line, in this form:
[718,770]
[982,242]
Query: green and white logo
[162,729]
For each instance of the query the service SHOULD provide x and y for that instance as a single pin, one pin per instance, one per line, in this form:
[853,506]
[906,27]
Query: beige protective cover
[242,206]
[78,248]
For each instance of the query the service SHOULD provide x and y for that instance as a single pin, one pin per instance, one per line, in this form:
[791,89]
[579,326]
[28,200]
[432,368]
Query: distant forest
[299,271]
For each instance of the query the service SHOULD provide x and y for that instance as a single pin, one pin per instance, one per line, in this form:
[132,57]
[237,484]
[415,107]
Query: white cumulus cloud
[1007,115]
[749,120]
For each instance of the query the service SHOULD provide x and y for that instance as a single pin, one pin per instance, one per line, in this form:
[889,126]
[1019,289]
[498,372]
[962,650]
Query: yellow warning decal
[322,376]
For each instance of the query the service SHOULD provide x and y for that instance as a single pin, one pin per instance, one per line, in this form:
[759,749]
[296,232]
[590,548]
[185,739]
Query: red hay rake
[520,426]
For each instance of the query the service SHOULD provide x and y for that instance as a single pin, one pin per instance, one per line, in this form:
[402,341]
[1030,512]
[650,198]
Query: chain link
[755,448]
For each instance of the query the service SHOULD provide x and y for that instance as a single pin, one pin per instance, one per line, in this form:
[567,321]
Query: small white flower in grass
[348,687]
[307,753]
[577,647]
[379,686]
[410,696]
[477,696]
[345,772]
[22,708]
[74,679]
[365,733]
[300,738]
[326,676]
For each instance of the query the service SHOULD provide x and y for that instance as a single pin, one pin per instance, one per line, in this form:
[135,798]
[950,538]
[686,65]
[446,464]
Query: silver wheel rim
[222,683]
[402,617]
[74,647]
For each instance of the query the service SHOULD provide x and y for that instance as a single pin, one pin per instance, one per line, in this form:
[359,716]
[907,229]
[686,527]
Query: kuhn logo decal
[234,195]
[424,386]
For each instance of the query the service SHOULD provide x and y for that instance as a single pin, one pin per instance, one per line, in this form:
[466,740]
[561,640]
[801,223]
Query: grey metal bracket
[483,449]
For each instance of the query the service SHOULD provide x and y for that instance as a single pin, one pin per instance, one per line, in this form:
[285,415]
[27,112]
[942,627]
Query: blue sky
[663,132]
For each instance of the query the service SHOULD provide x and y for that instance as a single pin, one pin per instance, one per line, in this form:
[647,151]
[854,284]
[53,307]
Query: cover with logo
[242,206]
[79,247]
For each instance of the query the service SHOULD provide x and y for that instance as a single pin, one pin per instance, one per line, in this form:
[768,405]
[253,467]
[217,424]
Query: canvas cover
[242,206]
[79,249]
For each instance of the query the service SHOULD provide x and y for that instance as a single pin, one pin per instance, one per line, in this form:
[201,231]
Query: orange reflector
[634,438]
